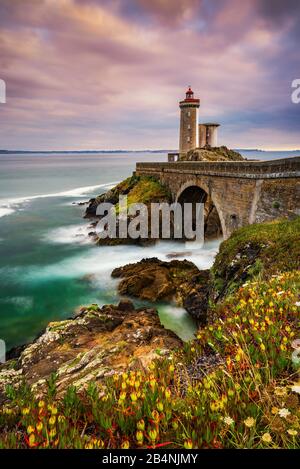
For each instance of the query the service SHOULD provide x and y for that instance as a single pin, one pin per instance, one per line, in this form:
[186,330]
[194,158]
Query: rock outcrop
[97,343]
[154,280]
[212,154]
[138,190]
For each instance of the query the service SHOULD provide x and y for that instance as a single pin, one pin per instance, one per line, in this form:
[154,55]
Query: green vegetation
[265,249]
[120,189]
[144,190]
[212,154]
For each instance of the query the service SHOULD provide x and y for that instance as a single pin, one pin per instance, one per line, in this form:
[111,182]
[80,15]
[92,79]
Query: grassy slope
[144,191]
[244,391]
[263,249]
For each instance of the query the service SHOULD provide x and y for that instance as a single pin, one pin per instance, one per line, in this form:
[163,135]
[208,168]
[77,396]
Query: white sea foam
[5,211]
[95,265]
[8,206]
[69,235]
[98,262]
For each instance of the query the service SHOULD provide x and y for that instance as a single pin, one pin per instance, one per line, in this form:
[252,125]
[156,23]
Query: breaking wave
[9,206]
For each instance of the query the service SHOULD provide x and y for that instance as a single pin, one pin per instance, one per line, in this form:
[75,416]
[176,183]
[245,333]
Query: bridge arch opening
[212,224]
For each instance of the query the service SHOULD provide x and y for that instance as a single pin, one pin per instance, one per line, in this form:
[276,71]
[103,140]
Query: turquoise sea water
[48,266]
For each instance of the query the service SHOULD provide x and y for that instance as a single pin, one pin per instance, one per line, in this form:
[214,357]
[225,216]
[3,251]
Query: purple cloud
[109,74]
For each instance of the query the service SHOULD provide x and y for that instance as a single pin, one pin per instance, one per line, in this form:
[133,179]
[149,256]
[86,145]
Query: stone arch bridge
[243,192]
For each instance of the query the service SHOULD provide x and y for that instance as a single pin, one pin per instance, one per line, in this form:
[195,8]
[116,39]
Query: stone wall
[242,192]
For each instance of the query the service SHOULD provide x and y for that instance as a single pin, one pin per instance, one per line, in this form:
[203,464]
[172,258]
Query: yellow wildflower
[292,432]
[160,406]
[153,434]
[137,385]
[31,439]
[140,425]
[139,436]
[266,438]
[30,429]
[249,422]
[7,411]
[188,444]
[52,420]
[39,426]
[155,415]
[280,391]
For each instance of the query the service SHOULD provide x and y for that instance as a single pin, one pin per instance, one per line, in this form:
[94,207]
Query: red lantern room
[189,94]
[189,98]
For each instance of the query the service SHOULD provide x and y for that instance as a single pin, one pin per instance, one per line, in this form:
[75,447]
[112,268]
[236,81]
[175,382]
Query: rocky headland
[212,154]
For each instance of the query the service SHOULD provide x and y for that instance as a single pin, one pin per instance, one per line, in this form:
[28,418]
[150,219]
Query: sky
[108,74]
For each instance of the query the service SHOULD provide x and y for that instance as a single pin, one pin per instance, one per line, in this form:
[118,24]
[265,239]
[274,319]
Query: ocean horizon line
[9,152]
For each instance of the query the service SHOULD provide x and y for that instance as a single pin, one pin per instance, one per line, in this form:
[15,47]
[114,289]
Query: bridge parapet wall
[283,168]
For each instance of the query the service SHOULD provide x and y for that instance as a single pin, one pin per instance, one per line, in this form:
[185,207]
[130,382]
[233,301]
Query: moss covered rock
[256,250]
[139,190]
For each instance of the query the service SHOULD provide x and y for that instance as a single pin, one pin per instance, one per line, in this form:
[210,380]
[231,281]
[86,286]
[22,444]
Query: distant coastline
[10,152]
[80,151]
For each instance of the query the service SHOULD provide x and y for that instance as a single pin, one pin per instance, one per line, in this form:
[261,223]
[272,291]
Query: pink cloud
[85,74]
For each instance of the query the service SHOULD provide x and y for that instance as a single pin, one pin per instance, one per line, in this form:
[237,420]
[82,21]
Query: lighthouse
[189,129]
